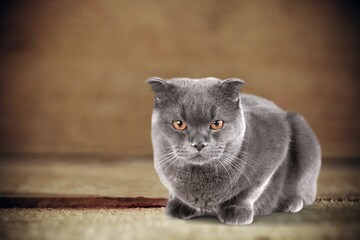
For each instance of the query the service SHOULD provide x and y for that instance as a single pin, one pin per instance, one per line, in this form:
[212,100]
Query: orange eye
[217,124]
[179,125]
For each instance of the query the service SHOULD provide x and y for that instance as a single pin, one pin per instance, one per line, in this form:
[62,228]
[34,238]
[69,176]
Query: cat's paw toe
[294,205]
[236,215]
[181,211]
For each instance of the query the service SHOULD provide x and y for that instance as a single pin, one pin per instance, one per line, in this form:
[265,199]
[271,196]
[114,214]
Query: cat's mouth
[199,159]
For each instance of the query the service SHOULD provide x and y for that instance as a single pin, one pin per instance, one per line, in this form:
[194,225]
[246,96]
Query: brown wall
[72,72]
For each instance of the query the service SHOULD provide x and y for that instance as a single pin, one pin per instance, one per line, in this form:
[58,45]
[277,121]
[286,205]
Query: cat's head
[196,119]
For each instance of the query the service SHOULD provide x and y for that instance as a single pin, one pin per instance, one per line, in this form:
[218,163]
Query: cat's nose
[199,146]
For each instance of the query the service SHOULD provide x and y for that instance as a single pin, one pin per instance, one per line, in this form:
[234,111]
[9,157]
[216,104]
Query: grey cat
[223,153]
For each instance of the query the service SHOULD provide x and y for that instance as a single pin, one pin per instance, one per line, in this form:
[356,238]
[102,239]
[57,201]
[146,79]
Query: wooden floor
[52,197]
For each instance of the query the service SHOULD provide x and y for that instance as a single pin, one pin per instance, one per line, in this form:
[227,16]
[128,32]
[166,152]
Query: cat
[227,154]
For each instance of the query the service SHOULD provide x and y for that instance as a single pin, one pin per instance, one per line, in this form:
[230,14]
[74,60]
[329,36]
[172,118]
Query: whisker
[238,167]
[233,154]
[246,154]
[170,164]
[165,161]
[222,164]
[234,174]
[167,154]
[241,160]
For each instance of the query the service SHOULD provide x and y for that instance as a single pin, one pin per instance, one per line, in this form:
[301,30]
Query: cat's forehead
[197,99]
[194,82]
[191,90]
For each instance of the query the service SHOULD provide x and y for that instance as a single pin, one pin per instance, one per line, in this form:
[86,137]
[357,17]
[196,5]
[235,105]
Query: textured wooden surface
[72,72]
[27,201]
[95,176]
[324,220]
[93,198]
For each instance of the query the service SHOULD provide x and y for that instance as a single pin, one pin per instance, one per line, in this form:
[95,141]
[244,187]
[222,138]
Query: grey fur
[263,160]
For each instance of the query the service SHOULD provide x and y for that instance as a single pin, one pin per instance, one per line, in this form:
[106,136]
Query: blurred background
[72,72]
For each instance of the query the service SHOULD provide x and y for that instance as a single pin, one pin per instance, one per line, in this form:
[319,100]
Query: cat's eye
[179,125]
[217,124]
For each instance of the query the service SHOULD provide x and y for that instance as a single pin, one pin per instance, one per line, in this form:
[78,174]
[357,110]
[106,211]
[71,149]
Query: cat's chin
[199,159]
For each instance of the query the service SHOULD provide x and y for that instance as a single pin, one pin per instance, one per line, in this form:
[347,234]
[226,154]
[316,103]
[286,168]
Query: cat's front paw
[236,215]
[176,209]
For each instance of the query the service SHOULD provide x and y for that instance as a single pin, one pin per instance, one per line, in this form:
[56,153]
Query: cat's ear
[158,85]
[234,84]
[231,87]
[162,89]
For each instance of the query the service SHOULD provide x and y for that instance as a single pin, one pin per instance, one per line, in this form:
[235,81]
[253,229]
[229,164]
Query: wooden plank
[80,202]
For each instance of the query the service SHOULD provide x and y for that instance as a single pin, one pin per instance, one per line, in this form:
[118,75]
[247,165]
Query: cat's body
[261,161]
